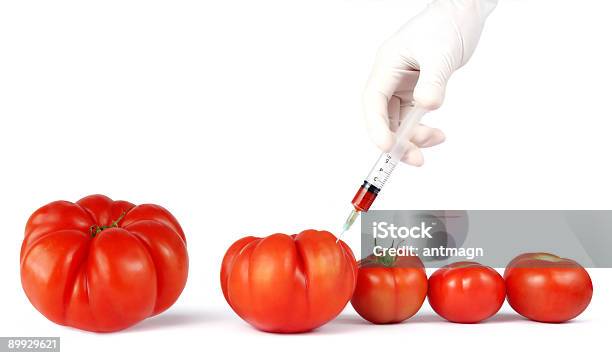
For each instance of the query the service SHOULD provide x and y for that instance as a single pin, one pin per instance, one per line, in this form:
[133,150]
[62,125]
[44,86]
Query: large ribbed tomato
[284,283]
[102,265]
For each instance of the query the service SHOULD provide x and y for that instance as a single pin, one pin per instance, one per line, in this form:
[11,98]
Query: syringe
[380,173]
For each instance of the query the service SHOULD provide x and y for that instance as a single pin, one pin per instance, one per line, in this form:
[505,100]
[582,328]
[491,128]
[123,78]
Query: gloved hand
[415,64]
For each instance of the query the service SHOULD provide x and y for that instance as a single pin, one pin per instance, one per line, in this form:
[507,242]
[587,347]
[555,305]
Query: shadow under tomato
[498,318]
[506,317]
[341,325]
[175,319]
[515,317]
[418,318]
[352,322]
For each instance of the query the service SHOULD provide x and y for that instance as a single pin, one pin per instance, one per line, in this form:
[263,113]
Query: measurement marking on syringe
[384,166]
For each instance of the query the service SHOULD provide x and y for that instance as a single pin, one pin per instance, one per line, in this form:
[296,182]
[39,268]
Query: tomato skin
[107,280]
[288,284]
[546,288]
[466,292]
[390,294]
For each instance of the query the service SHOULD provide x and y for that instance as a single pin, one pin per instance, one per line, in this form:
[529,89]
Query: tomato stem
[96,229]
[389,260]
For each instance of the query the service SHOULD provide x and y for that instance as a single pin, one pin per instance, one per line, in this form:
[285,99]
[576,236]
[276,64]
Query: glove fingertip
[378,129]
[383,139]
[414,157]
[437,137]
[429,96]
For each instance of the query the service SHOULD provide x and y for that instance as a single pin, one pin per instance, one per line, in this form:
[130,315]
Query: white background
[244,118]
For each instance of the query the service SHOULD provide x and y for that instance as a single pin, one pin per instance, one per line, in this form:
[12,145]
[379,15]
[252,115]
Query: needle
[384,166]
[349,222]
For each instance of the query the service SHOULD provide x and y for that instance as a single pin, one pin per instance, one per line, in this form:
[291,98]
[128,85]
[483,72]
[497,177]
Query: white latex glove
[415,64]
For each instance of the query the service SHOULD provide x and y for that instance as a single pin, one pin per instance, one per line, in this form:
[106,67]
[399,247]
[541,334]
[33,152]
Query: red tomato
[466,292]
[390,292]
[102,265]
[288,284]
[547,288]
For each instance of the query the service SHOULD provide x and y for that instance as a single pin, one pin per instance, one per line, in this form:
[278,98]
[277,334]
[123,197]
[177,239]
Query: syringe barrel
[365,197]
[386,163]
